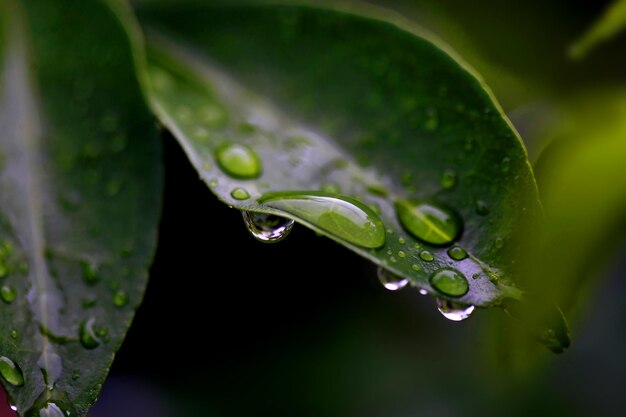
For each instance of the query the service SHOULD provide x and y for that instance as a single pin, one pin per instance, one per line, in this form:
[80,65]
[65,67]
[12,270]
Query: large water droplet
[88,337]
[7,294]
[238,161]
[267,227]
[10,372]
[391,281]
[449,282]
[428,222]
[344,217]
[454,312]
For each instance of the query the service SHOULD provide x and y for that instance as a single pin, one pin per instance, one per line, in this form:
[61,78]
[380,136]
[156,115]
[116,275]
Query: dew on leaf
[453,311]
[88,337]
[10,372]
[90,273]
[267,228]
[427,256]
[240,194]
[448,179]
[343,217]
[120,298]
[7,294]
[429,222]
[457,253]
[401,254]
[449,282]
[238,161]
[391,281]
[482,209]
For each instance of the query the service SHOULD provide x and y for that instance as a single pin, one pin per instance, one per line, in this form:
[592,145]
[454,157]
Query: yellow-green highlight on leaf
[609,25]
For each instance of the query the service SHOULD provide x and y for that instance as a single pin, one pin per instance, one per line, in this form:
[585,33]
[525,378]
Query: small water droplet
[391,281]
[416,267]
[184,114]
[457,253]
[448,179]
[506,164]
[90,273]
[498,243]
[393,259]
[88,337]
[427,256]
[453,311]
[401,254]
[10,372]
[212,116]
[423,292]
[482,209]
[449,282]
[120,298]
[343,217]
[238,161]
[240,194]
[267,227]
[432,120]
[429,222]
[7,294]
[14,334]
[401,241]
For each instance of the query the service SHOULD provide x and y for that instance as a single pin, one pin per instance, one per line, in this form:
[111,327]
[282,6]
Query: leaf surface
[80,185]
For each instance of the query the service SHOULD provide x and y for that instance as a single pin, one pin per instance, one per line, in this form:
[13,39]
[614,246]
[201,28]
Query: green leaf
[352,103]
[80,194]
[608,26]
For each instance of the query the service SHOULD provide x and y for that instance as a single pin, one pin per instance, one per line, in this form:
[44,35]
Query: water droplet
[401,254]
[330,187]
[343,217]
[7,294]
[267,227]
[482,209]
[457,253]
[427,256]
[120,298]
[498,243]
[423,292]
[401,241]
[432,121]
[240,194]
[88,337]
[449,282]
[448,179]
[10,372]
[453,311]
[506,164]
[238,161]
[51,366]
[391,281]
[13,334]
[90,273]
[416,267]
[429,222]
[212,116]
[52,403]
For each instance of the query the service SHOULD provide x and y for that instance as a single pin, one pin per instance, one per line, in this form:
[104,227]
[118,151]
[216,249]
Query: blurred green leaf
[608,26]
[80,185]
[352,100]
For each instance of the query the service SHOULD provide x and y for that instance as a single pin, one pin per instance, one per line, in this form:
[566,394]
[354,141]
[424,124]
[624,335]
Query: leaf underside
[329,99]
[80,185]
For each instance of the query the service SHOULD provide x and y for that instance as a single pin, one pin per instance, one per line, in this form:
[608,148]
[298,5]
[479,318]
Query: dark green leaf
[350,101]
[80,185]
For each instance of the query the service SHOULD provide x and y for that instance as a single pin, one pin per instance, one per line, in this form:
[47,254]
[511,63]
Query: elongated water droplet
[457,253]
[51,366]
[391,281]
[7,294]
[429,222]
[240,194]
[344,217]
[454,312]
[88,337]
[427,256]
[90,273]
[449,282]
[267,227]
[448,179]
[10,372]
[238,161]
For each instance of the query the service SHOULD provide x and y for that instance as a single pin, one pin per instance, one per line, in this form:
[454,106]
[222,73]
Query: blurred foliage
[612,23]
